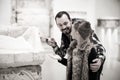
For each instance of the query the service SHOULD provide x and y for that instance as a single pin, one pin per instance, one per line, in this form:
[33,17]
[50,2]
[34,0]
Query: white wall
[77,5]
[5,12]
[107,8]
[87,6]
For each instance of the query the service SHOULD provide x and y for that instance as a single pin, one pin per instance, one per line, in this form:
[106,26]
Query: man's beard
[66,31]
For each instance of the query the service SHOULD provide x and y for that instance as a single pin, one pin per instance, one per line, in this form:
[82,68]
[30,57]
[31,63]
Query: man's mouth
[66,30]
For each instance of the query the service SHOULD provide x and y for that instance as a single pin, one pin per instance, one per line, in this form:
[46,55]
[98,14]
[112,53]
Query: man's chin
[67,33]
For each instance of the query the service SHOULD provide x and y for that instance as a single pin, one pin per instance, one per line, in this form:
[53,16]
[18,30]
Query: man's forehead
[63,18]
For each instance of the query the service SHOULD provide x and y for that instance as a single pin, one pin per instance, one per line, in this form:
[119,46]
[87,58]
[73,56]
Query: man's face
[64,24]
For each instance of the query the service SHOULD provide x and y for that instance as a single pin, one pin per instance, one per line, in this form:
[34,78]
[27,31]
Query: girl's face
[75,34]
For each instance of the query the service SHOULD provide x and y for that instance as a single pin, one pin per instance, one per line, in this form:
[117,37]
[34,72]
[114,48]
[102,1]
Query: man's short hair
[59,14]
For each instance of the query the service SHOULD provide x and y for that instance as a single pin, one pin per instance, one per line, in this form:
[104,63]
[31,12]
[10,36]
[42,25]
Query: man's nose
[63,27]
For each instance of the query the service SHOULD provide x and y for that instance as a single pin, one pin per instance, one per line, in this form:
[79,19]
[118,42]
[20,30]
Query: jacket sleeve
[99,48]
[61,51]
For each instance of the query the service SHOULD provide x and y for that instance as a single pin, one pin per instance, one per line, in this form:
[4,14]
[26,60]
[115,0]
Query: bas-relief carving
[108,23]
[32,13]
[30,72]
[17,70]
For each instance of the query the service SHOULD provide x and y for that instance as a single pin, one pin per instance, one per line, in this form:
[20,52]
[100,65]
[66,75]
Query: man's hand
[51,42]
[96,65]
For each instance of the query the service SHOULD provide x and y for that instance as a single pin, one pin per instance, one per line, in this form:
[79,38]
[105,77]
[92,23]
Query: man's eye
[65,23]
[60,25]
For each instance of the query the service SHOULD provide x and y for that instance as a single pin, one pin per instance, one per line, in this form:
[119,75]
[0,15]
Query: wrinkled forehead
[62,19]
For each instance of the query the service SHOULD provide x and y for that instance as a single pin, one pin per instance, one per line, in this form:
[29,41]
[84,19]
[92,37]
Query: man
[64,23]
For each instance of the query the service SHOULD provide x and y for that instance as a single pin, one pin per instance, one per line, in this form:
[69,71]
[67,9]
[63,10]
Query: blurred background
[104,16]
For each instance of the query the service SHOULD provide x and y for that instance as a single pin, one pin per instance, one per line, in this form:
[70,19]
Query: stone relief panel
[108,23]
[31,13]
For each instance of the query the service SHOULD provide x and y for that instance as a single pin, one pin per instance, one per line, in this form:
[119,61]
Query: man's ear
[71,22]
